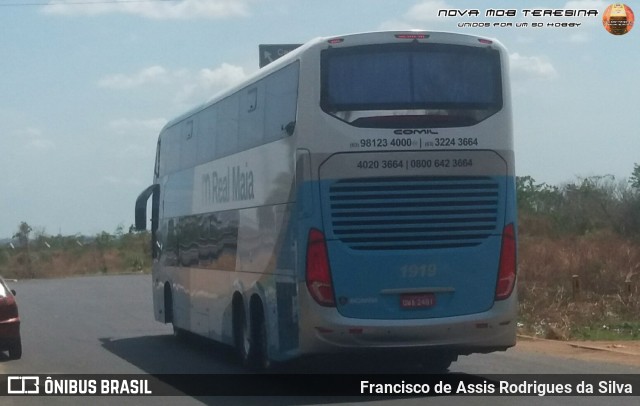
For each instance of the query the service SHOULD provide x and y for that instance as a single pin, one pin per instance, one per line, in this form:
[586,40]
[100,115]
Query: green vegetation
[618,331]
[44,256]
[579,258]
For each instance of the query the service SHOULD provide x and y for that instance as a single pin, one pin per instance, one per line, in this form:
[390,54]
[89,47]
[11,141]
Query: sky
[85,87]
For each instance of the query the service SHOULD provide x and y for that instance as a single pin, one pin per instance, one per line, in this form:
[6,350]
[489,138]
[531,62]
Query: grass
[69,256]
[608,332]
[579,287]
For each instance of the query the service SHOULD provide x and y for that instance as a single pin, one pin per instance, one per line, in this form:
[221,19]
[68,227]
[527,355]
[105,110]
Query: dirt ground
[620,352]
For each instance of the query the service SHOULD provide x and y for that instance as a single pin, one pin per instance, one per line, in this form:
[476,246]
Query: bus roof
[364,38]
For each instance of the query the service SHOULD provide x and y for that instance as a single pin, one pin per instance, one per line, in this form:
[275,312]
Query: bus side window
[281,103]
[252,100]
[251,126]
[207,125]
[156,170]
[227,138]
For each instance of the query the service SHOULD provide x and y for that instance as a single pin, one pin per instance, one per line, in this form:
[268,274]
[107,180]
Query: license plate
[417,300]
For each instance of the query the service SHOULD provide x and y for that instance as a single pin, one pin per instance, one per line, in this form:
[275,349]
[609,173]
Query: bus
[356,195]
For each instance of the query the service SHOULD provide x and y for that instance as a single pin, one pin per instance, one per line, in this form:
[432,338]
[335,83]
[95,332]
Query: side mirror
[141,206]
[13,292]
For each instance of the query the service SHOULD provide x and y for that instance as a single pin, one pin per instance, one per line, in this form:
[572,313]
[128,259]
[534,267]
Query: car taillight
[507,270]
[8,308]
[318,273]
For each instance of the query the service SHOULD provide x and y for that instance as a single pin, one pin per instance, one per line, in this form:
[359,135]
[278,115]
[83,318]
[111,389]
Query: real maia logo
[234,184]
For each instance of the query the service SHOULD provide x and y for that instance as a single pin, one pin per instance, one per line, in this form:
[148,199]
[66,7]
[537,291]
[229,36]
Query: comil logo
[618,19]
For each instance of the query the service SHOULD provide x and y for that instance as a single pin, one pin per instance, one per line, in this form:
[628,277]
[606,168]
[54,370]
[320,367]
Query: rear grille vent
[414,213]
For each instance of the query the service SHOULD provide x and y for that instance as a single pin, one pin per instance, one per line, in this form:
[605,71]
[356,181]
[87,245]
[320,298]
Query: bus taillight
[318,273]
[507,270]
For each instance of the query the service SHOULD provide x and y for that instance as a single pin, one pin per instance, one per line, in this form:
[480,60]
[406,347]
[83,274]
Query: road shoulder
[616,352]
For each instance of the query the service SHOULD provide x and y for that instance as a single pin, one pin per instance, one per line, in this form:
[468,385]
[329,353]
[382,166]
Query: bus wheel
[168,312]
[250,336]
[241,332]
[259,355]
[438,362]
[168,304]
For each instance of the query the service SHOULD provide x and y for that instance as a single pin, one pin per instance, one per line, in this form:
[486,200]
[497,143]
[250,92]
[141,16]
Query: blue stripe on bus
[444,236]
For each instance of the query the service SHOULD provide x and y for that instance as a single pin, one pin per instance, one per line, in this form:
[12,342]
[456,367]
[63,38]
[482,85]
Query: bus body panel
[325,330]
[237,226]
[223,231]
[397,224]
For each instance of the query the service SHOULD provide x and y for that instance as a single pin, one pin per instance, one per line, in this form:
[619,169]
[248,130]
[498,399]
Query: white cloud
[152,74]
[119,181]
[531,67]
[599,5]
[426,11]
[578,37]
[185,87]
[223,76]
[158,10]
[137,126]
[207,82]
[36,139]
[40,144]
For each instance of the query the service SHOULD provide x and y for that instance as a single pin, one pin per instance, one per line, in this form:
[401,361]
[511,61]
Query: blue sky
[85,89]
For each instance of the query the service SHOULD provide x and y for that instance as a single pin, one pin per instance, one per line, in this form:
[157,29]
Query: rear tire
[260,343]
[168,304]
[438,362]
[178,333]
[15,349]
[250,337]
[240,332]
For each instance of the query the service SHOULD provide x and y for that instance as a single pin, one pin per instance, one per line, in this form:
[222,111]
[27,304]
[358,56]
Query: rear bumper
[9,332]
[326,331]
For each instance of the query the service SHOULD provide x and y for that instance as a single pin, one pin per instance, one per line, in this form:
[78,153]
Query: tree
[23,238]
[537,197]
[23,234]
[635,177]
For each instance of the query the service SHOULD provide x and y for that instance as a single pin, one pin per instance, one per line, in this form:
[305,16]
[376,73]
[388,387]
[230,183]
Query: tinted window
[431,84]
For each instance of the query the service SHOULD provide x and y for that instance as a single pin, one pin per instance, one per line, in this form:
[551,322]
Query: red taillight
[485,41]
[8,308]
[507,270]
[335,41]
[318,272]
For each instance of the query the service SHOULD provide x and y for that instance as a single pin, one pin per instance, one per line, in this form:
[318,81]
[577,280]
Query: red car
[9,322]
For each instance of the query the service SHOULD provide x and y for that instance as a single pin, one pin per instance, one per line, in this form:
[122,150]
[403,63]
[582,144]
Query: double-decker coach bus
[356,194]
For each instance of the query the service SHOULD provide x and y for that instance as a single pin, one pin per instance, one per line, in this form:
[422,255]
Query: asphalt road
[104,325]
